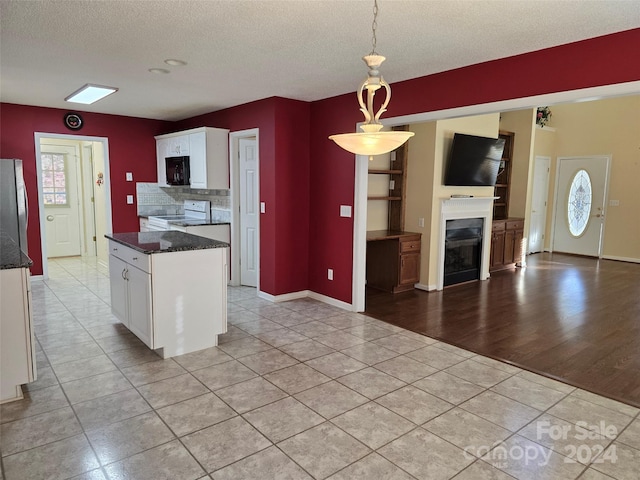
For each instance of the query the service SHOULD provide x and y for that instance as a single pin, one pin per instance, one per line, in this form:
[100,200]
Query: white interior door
[580,200]
[61,200]
[539,204]
[248,212]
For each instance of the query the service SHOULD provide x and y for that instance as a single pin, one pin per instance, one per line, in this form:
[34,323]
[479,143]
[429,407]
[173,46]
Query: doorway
[579,212]
[74,196]
[538,213]
[245,208]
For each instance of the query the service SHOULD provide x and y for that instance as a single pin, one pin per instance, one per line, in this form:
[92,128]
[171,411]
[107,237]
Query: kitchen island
[169,288]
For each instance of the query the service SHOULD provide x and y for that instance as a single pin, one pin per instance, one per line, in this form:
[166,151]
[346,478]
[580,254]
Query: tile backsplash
[155,200]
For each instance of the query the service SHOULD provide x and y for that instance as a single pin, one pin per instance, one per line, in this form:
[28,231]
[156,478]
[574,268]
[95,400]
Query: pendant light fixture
[371,141]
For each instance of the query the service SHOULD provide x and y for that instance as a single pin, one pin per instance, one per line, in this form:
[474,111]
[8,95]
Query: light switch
[129,176]
[345,210]
[421,222]
[614,203]
[263,207]
[130,199]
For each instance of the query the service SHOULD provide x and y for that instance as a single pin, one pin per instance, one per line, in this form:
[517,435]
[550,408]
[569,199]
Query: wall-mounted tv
[474,161]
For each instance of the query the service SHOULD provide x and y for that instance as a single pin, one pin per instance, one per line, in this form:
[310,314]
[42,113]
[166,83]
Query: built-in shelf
[386,172]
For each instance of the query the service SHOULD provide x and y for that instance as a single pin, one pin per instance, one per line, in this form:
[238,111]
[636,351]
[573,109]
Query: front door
[248,212]
[580,205]
[61,202]
[539,204]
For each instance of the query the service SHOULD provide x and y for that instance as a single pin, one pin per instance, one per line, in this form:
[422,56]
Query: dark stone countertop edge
[196,223]
[185,241]
[11,256]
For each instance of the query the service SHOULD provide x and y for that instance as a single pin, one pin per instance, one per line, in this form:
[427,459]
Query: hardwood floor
[571,318]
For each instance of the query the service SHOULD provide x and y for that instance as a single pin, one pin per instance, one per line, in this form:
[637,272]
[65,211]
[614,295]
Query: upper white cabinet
[208,152]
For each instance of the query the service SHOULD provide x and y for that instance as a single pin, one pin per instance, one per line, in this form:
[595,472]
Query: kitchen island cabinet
[17,344]
[169,289]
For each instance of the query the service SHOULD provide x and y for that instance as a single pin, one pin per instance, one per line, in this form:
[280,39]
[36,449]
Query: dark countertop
[373,235]
[166,241]
[10,254]
[192,223]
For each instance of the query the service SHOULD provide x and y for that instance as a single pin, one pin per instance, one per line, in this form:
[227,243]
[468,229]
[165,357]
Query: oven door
[177,170]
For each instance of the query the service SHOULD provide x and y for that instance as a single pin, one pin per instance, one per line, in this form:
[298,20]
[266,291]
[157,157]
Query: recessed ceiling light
[174,62]
[90,94]
[159,70]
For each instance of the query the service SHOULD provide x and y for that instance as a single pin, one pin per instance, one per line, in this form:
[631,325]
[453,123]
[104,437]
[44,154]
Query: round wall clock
[73,121]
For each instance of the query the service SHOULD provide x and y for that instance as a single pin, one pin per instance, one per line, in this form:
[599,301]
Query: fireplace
[462,250]
[475,209]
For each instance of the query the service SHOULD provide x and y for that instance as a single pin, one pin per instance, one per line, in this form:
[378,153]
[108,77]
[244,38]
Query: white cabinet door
[162,151]
[139,284]
[217,158]
[179,146]
[118,283]
[198,160]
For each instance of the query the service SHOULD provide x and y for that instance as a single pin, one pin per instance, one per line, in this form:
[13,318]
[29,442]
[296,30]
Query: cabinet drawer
[498,226]
[410,246]
[130,256]
[515,224]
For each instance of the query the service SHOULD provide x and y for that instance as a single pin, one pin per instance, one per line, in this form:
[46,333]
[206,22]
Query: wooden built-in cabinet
[506,243]
[393,255]
[503,181]
[393,260]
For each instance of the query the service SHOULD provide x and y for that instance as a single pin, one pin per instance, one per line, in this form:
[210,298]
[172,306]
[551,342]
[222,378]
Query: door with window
[61,203]
[580,205]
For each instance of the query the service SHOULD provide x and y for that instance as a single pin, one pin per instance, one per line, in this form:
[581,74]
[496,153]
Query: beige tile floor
[295,390]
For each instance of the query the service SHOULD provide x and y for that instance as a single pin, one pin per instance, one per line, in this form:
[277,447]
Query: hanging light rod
[371,141]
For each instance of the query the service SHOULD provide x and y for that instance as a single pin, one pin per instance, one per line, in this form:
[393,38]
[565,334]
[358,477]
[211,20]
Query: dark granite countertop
[192,223]
[167,241]
[10,254]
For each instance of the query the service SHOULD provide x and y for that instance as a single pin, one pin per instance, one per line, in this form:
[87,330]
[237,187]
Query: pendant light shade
[372,141]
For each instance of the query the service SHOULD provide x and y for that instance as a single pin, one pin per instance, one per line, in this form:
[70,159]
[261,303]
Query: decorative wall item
[543,116]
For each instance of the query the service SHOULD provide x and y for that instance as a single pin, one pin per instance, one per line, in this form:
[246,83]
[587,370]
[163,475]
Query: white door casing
[102,207]
[63,222]
[88,200]
[589,241]
[249,211]
[540,192]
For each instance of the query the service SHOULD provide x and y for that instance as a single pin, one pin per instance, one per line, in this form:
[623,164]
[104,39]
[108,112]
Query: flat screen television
[474,161]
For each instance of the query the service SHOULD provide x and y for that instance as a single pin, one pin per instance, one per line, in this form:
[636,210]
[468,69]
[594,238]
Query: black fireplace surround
[462,250]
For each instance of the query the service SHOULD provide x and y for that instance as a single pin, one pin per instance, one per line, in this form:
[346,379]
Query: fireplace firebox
[463,250]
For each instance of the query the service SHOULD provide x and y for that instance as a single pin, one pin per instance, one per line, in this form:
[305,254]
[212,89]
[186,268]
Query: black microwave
[177,169]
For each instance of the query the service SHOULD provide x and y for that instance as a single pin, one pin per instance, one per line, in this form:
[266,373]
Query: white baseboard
[331,301]
[426,288]
[285,297]
[37,277]
[621,259]
[306,294]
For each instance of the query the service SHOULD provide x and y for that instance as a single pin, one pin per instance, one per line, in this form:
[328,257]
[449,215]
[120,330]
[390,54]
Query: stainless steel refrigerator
[13,202]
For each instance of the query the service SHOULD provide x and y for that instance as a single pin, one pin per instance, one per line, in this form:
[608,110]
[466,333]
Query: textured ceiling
[243,50]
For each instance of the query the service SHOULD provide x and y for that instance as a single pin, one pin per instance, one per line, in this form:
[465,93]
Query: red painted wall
[284,183]
[600,61]
[131,149]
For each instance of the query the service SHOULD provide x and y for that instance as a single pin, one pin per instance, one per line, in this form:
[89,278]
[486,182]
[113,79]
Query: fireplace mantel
[465,207]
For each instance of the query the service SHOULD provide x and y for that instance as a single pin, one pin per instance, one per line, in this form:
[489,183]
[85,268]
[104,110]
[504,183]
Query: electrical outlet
[330,274]
[421,222]
[129,176]
[130,199]
[392,184]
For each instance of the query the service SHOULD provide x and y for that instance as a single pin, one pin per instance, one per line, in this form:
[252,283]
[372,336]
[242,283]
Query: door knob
[49,218]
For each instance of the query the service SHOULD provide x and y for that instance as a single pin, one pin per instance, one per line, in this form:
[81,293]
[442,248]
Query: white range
[195,220]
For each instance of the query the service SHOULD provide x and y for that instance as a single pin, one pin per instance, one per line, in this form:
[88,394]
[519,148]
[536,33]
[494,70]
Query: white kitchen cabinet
[17,344]
[130,293]
[175,302]
[208,152]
